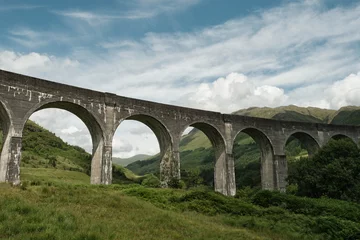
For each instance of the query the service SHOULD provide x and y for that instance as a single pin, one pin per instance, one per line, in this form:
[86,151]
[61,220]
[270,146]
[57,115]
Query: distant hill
[290,113]
[349,115]
[125,161]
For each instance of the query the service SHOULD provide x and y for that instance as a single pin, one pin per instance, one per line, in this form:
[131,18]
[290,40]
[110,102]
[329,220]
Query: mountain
[196,151]
[290,113]
[126,161]
[349,115]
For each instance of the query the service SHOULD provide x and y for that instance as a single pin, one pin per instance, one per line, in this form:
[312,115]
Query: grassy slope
[80,212]
[126,161]
[50,208]
[41,148]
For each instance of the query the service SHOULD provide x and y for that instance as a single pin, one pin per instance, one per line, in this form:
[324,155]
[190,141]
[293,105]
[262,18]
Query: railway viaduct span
[102,113]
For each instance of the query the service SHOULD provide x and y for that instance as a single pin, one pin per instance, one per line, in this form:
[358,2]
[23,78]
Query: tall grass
[60,205]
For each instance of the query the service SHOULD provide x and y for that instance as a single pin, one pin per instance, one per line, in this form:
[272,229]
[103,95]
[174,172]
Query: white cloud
[65,125]
[234,92]
[70,130]
[344,92]
[138,9]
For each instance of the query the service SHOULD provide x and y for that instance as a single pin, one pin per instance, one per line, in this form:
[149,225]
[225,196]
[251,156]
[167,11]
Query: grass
[53,175]
[67,210]
[58,204]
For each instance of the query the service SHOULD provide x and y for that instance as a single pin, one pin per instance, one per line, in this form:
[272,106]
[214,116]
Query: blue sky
[124,19]
[208,54]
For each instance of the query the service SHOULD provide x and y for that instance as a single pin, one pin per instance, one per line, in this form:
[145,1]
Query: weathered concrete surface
[102,113]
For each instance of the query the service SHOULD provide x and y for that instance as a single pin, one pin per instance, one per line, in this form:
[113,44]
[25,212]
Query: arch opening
[143,145]
[202,155]
[298,146]
[44,149]
[342,136]
[254,159]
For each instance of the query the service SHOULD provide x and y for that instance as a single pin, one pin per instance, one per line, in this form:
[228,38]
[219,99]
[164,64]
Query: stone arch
[308,141]
[218,142]
[338,136]
[268,178]
[7,125]
[98,174]
[169,164]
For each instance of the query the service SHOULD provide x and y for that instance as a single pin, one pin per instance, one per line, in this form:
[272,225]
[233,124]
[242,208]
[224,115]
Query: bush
[151,181]
[313,207]
[176,183]
[333,172]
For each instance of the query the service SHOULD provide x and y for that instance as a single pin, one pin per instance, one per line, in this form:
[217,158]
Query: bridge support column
[106,176]
[224,174]
[231,184]
[169,167]
[12,153]
[281,172]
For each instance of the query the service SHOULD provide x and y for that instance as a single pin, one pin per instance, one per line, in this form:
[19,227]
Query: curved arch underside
[87,118]
[169,163]
[160,131]
[308,142]
[221,176]
[213,135]
[342,136]
[99,170]
[267,157]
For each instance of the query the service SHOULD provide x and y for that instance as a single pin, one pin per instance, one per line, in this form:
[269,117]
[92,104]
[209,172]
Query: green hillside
[42,149]
[290,113]
[349,115]
[126,161]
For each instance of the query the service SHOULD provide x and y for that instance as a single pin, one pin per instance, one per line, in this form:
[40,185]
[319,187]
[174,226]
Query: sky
[219,55]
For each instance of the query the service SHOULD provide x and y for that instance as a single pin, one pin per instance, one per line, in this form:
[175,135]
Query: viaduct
[102,113]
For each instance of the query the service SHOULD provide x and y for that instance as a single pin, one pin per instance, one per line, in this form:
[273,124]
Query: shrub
[151,181]
[334,172]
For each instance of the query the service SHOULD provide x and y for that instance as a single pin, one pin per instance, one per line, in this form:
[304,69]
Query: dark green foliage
[347,117]
[295,116]
[334,172]
[151,181]
[176,183]
[214,203]
[290,216]
[143,167]
[192,178]
[308,206]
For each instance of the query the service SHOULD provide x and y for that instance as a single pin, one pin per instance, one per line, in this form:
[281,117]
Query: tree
[334,172]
